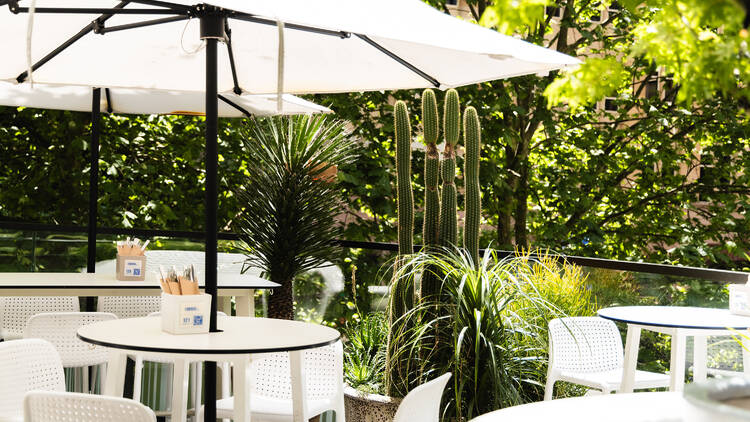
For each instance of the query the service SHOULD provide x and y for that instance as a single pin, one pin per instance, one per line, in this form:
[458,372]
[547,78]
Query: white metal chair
[25,365]
[271,386]
[59,328]
[16,310]
[53,406]
[422,404]
[588,351]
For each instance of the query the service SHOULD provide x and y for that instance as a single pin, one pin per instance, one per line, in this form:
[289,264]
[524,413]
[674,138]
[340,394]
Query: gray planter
[363,407]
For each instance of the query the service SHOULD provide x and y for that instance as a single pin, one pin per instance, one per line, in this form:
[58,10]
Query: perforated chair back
[46,406]
[60,329]
[16,310]
[271,373]
[585,344]
[25,365]
[422,404]
[129,306]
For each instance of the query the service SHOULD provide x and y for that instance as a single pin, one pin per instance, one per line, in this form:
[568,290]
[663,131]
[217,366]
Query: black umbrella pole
[96,95]
[212,198]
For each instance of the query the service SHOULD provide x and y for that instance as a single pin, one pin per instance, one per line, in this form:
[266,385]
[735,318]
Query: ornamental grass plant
[489,327]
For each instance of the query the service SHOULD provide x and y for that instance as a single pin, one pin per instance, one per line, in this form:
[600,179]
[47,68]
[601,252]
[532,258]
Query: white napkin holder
[186,314]
[738,299]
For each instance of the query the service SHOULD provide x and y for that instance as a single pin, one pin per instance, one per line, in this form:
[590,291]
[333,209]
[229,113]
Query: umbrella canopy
[351,45]
[142,101]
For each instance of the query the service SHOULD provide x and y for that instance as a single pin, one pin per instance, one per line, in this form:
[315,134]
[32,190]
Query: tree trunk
[522,205]
[281,300]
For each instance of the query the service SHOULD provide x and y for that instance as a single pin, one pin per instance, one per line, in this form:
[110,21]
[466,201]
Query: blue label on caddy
[198,320]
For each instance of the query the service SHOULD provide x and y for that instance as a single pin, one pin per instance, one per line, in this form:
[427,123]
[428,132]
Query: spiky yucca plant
[290,199]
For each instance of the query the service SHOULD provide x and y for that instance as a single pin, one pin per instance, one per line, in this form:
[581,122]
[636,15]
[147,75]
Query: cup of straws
[184,309]
[131,260]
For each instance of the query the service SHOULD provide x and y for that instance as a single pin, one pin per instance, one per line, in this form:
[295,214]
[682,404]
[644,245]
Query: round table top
[240,335]
[677,317]
[632,407]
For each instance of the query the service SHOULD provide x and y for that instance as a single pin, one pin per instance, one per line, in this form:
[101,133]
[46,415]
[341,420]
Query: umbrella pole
[212,199]
[93,181]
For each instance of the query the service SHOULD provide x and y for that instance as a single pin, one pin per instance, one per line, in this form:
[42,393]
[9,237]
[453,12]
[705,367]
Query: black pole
[212,30]
[212,157]
[93,178]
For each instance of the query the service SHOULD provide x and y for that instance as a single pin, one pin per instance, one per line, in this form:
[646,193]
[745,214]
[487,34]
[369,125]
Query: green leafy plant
[364,352]
[290,200]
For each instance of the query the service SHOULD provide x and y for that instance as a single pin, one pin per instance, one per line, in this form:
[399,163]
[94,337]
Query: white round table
[680,322]
[633,407]
[240,338]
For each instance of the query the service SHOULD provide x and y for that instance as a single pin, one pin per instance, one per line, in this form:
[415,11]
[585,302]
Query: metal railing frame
[710,274]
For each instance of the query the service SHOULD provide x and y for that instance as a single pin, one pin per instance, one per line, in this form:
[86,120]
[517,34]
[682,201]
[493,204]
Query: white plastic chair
[180,377]
[131,307]
[53,406]
[25,365]
[59,328]
[422,404]
[270,386]
[16,310]
[588,351]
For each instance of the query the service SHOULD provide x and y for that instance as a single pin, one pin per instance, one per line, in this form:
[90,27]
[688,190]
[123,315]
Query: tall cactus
[405,196]
[402,288]
[430,282]
[473,200]
[451,122]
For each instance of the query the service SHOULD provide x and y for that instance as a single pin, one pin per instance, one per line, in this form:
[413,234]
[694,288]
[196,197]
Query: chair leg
[549,388]
[179,390]
[137,378]
[85,380]
[197,384]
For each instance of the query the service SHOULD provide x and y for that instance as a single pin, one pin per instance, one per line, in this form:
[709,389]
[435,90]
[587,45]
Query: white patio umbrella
[145,101]
[293,46]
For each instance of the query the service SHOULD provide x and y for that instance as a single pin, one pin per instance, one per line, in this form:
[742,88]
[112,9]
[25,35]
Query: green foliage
[290,202]
[589,82]
[507,16]
[364,353]
[398,374]
[702,44]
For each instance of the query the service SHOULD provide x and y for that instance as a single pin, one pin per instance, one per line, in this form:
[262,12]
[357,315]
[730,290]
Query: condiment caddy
[131,260]
[184,309]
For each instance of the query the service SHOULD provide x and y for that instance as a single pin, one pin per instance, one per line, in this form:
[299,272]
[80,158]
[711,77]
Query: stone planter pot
[718,400]
[363,407]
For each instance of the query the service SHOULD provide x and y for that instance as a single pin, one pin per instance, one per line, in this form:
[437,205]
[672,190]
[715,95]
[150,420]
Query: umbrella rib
[251,18]
[403,62]
[104,30]
[163,4]
[95,10]
[109,100]
[88,28]
[237,90]
[236,106]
